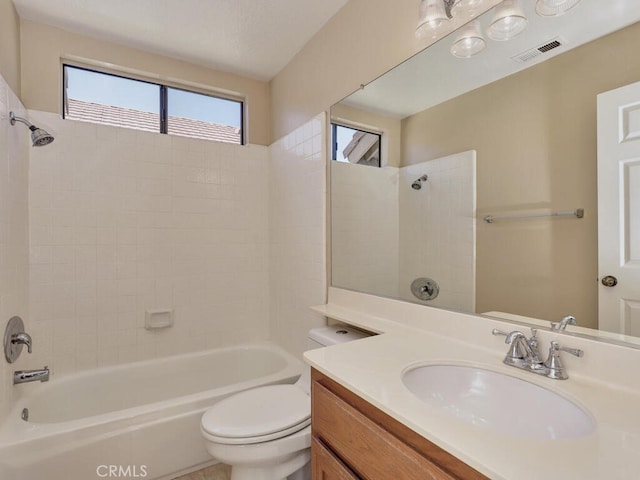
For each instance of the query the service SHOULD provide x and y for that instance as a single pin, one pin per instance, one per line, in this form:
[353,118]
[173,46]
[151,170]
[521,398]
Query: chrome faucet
[523,352]
[553,363]
[22,338]
[562,324]
[14,338]
[25,376]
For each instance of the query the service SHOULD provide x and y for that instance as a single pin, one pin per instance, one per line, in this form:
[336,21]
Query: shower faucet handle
[14,338]
[24,339]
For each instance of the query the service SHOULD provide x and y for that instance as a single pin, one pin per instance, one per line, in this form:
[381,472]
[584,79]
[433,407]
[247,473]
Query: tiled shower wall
[14,256]
[409,233]
[364,225]
[124,221]
[437,229]
[297,217]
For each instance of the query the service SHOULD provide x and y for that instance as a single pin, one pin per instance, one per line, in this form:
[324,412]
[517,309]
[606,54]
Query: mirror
[510,133]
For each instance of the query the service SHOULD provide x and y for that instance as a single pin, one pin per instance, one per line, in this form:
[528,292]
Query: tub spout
[25,376]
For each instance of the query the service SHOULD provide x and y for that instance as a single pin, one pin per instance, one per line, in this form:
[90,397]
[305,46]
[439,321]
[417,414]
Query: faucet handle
[495,331]
[573,351]
[555,365]
[510,340]
[515,355]
[24,339]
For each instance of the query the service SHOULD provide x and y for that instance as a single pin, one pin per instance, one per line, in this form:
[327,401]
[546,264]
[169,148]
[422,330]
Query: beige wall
[361,42]
[10,45]
[535,134]
[43,46]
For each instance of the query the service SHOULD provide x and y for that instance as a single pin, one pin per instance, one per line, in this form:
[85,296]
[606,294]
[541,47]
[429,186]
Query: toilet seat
[257,415]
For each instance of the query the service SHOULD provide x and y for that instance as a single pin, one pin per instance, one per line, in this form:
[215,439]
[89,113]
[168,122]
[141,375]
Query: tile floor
[215,472]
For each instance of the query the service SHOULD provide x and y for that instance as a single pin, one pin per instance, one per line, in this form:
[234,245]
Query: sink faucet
[523,352]
[562,324]
[25,376]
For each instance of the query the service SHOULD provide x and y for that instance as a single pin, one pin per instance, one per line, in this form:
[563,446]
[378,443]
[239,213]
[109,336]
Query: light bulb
[508,21]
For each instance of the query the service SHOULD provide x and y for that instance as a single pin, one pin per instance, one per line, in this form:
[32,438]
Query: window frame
[334,142]
[163,88]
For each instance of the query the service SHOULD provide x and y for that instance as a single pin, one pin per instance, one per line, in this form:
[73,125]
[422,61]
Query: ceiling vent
[533,53]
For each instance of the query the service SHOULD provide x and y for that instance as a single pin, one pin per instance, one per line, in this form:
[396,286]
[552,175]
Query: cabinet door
[373,445]
[372,451]
[325,466]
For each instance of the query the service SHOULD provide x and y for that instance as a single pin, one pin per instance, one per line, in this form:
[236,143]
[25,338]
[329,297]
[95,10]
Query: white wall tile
[365,225]
[14,248]
[297,232]
[232,238]
[431,244]
[129,221]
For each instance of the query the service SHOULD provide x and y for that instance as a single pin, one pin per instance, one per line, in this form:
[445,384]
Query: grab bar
[578,213]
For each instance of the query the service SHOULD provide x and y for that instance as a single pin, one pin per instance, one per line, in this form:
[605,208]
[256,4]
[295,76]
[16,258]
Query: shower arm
[13,118]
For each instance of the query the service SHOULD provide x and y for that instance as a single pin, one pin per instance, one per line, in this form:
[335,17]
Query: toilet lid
[268,412]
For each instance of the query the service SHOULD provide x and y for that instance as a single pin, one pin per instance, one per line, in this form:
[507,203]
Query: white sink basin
[498,402]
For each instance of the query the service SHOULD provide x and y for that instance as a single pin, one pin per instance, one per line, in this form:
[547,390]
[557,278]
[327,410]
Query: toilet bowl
[265,433]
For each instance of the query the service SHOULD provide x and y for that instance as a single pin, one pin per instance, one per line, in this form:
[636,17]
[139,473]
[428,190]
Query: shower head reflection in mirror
[417,185]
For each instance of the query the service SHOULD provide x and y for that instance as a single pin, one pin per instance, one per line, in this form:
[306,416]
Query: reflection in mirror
[353,145]
[504,133]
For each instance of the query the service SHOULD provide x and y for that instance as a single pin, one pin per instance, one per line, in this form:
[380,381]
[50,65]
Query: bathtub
[139,420]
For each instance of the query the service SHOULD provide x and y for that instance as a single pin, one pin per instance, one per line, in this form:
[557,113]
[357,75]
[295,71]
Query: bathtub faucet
[25,376]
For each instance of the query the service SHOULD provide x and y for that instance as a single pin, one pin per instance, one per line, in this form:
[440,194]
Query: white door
[619,210]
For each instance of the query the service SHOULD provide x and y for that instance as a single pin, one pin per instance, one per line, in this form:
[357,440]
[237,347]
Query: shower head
[417,185]
[39,137]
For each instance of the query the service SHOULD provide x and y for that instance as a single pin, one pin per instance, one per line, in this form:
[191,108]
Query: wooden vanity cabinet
[353,440]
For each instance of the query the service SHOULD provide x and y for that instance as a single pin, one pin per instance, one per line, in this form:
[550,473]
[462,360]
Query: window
[108,99]
[353,145]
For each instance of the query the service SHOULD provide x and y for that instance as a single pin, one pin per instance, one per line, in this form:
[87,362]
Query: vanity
[352,439]
[368,423]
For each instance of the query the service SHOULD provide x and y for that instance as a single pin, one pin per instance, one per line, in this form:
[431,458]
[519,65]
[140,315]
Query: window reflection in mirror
[352,145]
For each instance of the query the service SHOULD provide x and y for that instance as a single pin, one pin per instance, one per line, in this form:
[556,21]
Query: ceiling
[434,75]
[254,38]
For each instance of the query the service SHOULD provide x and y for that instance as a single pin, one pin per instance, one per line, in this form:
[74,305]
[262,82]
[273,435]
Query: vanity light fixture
[508,21]
[467,7]
[433,13]
[469,42]
[554,8]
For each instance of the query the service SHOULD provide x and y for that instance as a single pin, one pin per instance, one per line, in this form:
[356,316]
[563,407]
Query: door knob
[609,281]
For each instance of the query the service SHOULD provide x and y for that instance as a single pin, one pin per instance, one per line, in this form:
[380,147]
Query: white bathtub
[139,420]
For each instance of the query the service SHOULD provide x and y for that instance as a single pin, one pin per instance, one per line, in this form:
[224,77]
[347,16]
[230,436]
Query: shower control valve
[425,288]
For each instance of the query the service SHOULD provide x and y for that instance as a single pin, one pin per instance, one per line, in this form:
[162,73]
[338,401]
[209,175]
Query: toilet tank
[332,335]
[323,337]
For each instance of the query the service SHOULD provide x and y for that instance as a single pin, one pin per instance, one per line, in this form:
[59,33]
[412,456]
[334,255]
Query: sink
[498,402]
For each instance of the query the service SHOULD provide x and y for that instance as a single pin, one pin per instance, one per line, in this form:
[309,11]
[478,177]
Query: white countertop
[373,367]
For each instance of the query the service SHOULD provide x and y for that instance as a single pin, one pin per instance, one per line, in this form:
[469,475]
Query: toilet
[265,433]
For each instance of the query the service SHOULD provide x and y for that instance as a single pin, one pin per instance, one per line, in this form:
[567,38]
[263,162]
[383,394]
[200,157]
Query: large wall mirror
[486,199]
